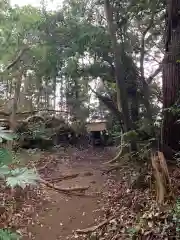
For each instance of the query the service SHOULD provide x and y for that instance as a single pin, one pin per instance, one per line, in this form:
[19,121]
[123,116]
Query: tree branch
[94,228]
[157,71]
[17,58]
[110,105]
[142,52]
[154,59]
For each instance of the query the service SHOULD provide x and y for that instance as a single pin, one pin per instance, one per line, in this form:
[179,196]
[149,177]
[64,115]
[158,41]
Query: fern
[8,235]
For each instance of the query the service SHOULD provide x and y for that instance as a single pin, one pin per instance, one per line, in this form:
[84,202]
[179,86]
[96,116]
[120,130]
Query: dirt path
[63,214]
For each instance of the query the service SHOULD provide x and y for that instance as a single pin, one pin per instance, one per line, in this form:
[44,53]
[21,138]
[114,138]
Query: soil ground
[63,214]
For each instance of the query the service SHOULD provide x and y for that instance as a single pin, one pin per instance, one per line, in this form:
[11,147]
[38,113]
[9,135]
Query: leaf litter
[136,213]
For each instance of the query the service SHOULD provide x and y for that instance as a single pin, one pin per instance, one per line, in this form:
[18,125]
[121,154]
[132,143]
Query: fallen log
[2,113]
[63,190]
[94,228]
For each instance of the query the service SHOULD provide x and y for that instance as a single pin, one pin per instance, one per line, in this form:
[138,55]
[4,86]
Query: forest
[90,120]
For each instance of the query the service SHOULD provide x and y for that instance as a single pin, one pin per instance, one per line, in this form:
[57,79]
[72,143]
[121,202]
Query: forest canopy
[88,59]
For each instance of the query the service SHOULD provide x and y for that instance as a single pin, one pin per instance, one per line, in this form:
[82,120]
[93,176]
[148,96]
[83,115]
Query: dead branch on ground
[64,190]
[61,178]
[94,228]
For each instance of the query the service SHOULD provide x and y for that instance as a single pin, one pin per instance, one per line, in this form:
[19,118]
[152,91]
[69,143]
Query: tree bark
[54,90]
[39,94]
[17,59]
[171,74]
[24,101]
[145,87]
[15,101]
[120,80]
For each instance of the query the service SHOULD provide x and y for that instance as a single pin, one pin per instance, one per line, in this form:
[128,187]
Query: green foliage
[14,177]
[22,177]
[37,130]
[33,131]
[8,235]
[130,136]
[174,110]
[176,218]
[5,157]
[6,135]
[132,232]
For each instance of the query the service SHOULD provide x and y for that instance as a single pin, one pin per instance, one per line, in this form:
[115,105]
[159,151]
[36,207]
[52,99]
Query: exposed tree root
[122,151]
[70,191]
[61,178]
[45,165]
[113,168]
[94,228]
[116,157]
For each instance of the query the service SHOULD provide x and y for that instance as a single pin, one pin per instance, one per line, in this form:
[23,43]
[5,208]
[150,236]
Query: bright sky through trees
[51,4]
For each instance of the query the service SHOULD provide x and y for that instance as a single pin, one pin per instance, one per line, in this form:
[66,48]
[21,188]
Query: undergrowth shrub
[12,175]
[176,218]
[6,234]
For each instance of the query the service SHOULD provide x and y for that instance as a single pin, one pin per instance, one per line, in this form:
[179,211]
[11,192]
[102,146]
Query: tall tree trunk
[61,93]
[171,74]
[25,93]
[15,101]
[10,88]
[133,105]
[146,101]
[54,91]
[46,95]
[118,98]
[120,80]
[39,94]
